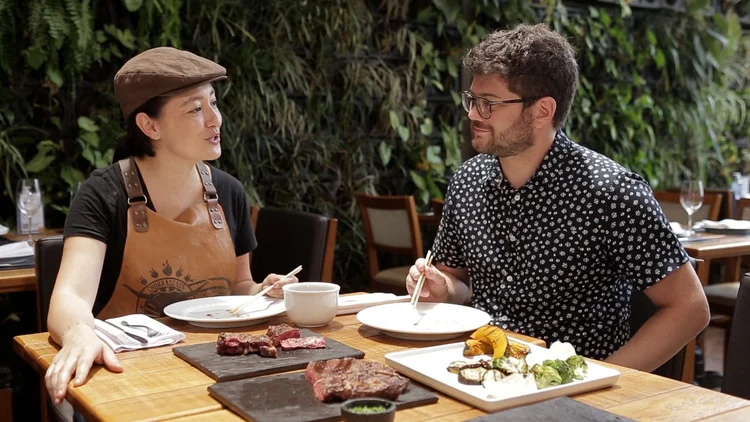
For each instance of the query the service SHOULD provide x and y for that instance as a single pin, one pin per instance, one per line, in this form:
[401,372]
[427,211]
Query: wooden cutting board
[226,368]
[290,398]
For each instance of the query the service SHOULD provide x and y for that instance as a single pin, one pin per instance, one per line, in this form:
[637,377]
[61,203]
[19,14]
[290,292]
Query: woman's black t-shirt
[99,211]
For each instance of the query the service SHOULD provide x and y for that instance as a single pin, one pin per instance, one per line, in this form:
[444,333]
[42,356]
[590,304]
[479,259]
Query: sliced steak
[240,344]
[268,351]
[280,332]
[314,342]
[343,379]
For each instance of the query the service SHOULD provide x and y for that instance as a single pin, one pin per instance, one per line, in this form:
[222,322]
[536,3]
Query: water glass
[29,200]
[691,199]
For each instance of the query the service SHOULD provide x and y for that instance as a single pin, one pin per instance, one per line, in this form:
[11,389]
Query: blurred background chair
[670,205]
[737,364]
[391,225]
[289,238]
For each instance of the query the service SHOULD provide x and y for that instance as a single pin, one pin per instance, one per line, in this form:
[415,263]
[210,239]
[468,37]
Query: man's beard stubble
[514,140]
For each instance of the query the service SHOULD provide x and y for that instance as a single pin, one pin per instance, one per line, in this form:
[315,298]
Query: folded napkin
[119,341]
[16,250]
[726,224]
[355,303]
[677,228]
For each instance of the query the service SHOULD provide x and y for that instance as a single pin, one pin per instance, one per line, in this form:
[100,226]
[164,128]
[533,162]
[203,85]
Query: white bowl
[311,304]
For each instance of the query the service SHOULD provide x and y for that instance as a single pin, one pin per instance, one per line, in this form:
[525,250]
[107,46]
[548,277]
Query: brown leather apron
[167,261]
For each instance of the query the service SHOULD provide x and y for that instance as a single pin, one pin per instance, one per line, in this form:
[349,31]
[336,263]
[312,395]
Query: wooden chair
[289,238]
[670,205]
[391,225]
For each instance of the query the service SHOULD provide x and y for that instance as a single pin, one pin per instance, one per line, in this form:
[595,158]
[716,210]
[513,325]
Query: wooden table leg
[734,269]
[703,268]
[688,367]
[6,405]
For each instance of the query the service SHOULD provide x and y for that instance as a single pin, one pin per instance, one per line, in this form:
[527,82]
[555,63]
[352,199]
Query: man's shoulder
[476,167]
[602,172]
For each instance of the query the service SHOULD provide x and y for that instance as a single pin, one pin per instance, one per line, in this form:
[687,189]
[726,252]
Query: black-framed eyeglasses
[484,106]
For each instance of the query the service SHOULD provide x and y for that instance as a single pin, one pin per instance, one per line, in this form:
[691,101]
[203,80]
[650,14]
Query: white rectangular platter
[429,366]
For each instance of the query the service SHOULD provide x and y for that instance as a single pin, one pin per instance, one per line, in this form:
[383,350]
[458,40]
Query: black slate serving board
[226,368]
[290,398]
[558,409]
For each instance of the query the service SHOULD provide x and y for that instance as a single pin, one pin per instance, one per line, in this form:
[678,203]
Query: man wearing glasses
[547,236]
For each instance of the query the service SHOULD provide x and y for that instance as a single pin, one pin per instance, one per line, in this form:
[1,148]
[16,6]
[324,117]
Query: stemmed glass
[29,200]
[691,199]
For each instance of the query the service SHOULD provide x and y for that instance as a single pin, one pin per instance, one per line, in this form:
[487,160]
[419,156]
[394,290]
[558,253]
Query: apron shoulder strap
[136,199]
[210,195]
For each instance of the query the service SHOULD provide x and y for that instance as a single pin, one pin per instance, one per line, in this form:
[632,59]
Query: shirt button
[517,198]
[510,278]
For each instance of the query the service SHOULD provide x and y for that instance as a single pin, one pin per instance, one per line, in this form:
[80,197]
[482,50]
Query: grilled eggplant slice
[471,376]
[457,366]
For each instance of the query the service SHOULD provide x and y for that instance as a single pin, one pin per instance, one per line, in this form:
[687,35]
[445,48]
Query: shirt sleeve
[245,238]
[93,210]
[639,240]
[448,249]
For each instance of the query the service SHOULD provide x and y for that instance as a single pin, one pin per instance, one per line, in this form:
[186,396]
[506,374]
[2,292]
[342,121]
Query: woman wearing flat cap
[158,226]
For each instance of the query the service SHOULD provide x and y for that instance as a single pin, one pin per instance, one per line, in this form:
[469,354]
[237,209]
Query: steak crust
[343,379]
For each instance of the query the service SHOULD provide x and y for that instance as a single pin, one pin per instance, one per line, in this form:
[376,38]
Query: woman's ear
[148,126]
[546,107]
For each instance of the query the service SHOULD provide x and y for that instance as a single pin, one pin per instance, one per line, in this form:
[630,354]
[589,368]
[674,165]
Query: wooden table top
[726,246]
[157,384]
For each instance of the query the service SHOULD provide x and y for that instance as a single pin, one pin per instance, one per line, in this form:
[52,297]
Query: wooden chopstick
[420,282]
[236,310]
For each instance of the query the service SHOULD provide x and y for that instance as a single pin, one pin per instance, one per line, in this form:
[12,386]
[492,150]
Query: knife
[137,337]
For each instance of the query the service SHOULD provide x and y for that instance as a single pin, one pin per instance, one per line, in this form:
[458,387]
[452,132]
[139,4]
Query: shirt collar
[552,162]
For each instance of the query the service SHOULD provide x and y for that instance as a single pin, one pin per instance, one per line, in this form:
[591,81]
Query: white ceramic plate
[439,321]
[428,366]
[213,312]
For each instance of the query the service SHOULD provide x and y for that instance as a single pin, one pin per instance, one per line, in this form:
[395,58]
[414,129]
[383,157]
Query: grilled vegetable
[545,376]
[562,368]
[578,366]
[471,376]
[511,365]
[517,350]
[457,366]
[476,348]
[492,375]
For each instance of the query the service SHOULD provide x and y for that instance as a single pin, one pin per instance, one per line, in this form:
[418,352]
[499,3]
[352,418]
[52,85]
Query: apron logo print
[166,288]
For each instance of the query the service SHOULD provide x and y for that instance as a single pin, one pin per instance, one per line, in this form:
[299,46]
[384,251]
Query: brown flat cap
[161,71]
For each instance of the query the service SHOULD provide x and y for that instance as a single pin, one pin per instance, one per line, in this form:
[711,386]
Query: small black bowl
[350,414]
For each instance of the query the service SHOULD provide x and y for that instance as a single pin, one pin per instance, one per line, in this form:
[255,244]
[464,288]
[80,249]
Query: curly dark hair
[534,60]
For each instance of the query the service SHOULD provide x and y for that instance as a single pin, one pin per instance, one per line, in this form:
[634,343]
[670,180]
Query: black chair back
[288,238]
[47,263]
[737,365]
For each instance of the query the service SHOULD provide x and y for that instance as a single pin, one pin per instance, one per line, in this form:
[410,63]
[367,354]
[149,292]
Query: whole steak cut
[280,332]
[343,379]
[240,344]
[314,342]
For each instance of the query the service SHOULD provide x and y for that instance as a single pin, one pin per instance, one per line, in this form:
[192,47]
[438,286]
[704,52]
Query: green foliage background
[330,97]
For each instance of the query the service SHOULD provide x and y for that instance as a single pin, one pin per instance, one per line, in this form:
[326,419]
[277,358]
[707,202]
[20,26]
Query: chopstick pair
[236,310]
[420,282]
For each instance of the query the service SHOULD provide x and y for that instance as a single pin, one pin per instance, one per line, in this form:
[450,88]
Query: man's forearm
[458,291]
[248,287]
[66,311]
[660,338]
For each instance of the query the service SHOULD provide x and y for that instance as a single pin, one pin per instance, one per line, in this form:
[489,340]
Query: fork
[149,331]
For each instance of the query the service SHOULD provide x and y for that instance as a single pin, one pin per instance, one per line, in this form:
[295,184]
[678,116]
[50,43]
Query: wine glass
[691,199]
[29,200]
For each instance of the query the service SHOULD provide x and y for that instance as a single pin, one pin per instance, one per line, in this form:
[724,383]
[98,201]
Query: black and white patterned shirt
[558,258]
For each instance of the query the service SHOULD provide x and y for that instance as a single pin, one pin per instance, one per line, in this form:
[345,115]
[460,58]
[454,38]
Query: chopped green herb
[367,410]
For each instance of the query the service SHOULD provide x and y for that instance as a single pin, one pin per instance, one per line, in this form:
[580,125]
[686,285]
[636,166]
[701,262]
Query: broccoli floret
[562,368]
[545,376]
[508,365]
[578,365]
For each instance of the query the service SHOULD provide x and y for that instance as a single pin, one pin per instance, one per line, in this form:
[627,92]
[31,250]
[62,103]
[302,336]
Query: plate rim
[422,333]
[251,317]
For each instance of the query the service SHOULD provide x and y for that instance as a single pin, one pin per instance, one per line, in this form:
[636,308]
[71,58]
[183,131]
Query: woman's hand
[82,348]
[278,283]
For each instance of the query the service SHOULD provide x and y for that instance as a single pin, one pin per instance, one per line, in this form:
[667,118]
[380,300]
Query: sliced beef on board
[343,379]
[314,342]
[240,344]
[268,351]
[278,333]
